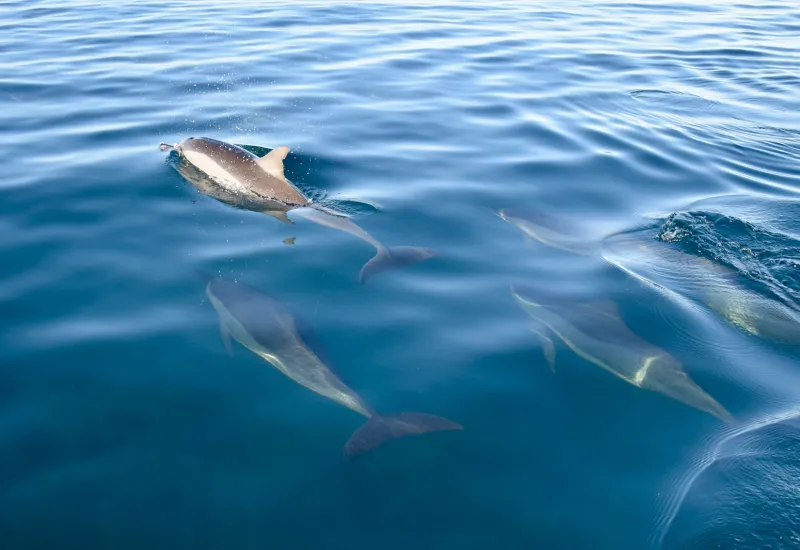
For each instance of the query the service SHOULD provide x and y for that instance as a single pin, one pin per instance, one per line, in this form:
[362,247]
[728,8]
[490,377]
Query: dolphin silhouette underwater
[236,176]
[717,286]
[596,332]
[268,329]
[677,273]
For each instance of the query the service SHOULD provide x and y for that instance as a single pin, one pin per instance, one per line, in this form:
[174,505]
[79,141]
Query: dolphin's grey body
[597,333]
[663,267]
[680,275]
[262,325]
[554,238]
[234,175]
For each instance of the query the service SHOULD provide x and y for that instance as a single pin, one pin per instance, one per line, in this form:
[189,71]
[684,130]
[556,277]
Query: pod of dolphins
[597,333]
[594,330]
[262,325]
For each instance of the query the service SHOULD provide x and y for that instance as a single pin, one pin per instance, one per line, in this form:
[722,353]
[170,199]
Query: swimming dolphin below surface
[662,266]
[268,329]
[596,332]
[232,174]
[679,275]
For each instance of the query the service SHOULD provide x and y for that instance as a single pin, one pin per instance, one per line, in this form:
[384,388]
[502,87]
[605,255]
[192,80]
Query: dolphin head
[174,147]
[183,144]
[664,374]
[178,147]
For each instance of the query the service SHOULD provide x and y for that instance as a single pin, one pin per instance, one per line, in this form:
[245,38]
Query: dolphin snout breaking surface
[232,174]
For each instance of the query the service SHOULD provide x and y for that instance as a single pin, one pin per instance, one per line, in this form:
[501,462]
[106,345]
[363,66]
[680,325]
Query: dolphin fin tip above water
[272,162]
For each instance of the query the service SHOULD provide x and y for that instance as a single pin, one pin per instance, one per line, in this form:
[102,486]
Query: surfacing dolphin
[237,176]
[596,332]
[268,329]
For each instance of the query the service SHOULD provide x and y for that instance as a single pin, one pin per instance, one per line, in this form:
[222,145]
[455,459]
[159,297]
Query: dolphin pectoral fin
[279,215]
[225,334]
[272,162]
[379,429]
[393,258]
[548,348]
[539,327]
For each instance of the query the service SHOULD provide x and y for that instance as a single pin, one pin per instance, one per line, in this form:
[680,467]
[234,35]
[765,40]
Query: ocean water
[124,422]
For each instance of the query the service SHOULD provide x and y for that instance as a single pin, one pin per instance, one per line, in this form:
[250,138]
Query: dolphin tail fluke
[393,258]
[379,429]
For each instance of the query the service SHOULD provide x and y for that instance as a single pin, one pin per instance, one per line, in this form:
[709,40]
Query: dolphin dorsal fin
[272,162]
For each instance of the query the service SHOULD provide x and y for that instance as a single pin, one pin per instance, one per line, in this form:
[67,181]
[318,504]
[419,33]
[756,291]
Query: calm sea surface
[124,423]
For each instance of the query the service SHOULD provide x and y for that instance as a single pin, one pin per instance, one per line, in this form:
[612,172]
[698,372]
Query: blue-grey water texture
[124,423]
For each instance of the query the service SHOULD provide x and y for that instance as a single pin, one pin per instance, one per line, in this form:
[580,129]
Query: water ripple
[420,121]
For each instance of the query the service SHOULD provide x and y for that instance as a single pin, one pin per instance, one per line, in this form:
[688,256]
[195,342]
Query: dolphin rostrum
[268,329]
[596,332]
[232,174]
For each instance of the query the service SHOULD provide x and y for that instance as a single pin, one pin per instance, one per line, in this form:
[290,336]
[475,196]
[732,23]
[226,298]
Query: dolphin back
[380,429]
[241,172]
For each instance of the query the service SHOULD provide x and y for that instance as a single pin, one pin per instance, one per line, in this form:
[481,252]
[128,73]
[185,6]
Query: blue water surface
[124,423]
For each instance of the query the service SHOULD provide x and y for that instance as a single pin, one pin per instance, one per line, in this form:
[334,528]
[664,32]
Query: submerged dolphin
[679,275]
[664,267]
[234,175]
[269,330]
[597,333]
[555,238]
